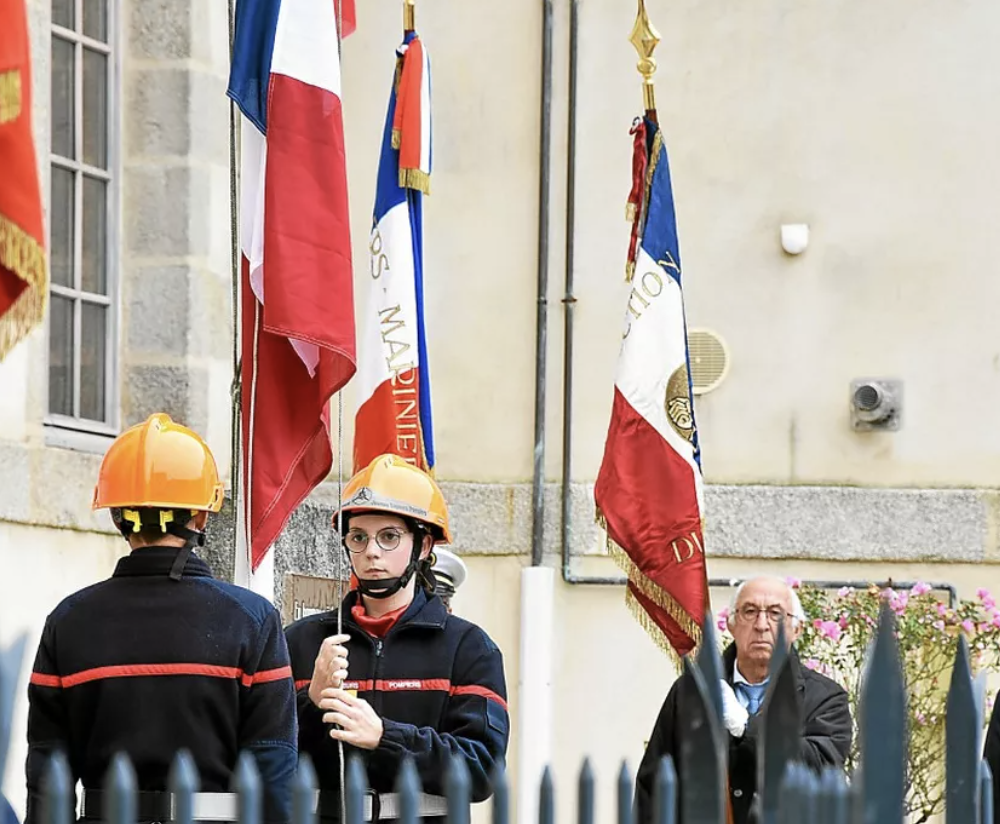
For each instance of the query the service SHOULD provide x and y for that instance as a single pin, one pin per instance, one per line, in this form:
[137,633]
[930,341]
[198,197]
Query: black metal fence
[788,792]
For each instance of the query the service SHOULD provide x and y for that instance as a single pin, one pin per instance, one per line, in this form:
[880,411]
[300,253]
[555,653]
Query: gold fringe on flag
[652,628]
[21,254]
[415,179]
[655,593]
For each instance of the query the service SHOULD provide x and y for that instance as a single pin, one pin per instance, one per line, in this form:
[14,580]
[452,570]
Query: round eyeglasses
[748,614]
[388,539]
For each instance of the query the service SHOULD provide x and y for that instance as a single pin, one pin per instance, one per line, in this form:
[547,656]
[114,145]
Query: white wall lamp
[794,237]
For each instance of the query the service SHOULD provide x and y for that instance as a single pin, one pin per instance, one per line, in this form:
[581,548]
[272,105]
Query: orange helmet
[390,484]
[159,464]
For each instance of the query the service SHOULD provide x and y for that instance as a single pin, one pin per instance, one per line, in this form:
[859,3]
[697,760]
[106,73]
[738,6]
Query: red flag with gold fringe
[23,272]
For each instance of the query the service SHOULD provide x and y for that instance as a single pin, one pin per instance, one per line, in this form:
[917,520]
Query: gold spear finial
[645,38]
[409,15]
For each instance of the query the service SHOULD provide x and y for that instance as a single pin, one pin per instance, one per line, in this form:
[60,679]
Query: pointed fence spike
[120,791]
[356,781]
[961,742]
[779,722]
[703,753]
[546,798]
[789,809]
[809,794]
[183,783]
[624,794]
[665,792]
[979,688]
[833,797]
[11,659]
[985,793]
[408,790]
[585,794]
[501,793]
[882,725]
[246,785]
[710,664]
[458,789]
[57,792]
[304,787]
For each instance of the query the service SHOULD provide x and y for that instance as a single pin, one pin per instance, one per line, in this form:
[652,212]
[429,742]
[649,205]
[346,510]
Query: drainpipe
[537,648]
[569,305]
[542,309]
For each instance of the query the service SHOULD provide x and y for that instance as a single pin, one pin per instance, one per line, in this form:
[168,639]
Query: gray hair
[798,614]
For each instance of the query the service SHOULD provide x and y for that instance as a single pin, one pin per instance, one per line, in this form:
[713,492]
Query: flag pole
[409,16]
[645,38]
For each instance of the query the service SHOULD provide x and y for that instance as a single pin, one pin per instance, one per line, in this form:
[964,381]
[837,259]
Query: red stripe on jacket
[144,670]
[417,685]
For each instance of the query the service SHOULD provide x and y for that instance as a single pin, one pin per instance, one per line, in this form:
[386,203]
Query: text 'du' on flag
[394,394]
[649,488]
[297,301]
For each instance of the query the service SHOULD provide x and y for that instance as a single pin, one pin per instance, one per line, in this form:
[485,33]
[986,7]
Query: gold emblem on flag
[677,404]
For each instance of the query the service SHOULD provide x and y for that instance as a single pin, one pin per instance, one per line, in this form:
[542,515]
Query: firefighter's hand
[330,669]
[357,723]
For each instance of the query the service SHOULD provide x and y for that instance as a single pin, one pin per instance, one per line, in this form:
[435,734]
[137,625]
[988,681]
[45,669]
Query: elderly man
[759,607]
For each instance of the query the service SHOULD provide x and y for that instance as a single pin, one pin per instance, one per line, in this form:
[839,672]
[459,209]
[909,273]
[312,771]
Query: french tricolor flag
[297,330]
[649,487]
[394,412]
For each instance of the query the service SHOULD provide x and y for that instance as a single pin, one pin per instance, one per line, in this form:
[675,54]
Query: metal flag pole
[340,481]
[645,38]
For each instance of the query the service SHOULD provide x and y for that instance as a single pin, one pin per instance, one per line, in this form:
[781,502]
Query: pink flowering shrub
[834,641]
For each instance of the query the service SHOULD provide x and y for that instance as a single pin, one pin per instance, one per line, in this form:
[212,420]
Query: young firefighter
[427,683]
[162,656]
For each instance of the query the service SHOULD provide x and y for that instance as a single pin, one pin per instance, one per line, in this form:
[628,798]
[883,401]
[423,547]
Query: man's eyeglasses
[388,539]
[748,614]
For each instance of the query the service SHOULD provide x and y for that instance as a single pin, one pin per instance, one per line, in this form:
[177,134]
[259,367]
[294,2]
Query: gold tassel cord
[21,254]
[650,589]
[654,160]
[643,208]
[397,139]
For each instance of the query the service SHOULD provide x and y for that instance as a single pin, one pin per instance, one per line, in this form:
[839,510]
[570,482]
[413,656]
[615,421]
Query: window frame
[74,431]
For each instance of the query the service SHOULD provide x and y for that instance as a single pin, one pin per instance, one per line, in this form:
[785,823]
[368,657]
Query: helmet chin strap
[387,587]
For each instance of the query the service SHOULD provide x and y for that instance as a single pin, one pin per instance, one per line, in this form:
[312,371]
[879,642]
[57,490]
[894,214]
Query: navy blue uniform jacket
[436,681]
[145,665]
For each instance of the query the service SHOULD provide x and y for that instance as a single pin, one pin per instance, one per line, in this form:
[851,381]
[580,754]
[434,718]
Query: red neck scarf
[377,627]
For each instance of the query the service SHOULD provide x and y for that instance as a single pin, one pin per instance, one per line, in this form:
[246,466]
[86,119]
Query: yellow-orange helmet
[159,464]
[390,484]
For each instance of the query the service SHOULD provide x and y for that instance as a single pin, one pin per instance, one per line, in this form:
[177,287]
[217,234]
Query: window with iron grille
[83,218]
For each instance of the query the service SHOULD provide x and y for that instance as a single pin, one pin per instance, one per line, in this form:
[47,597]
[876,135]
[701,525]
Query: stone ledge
[52,487]
[766,522]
